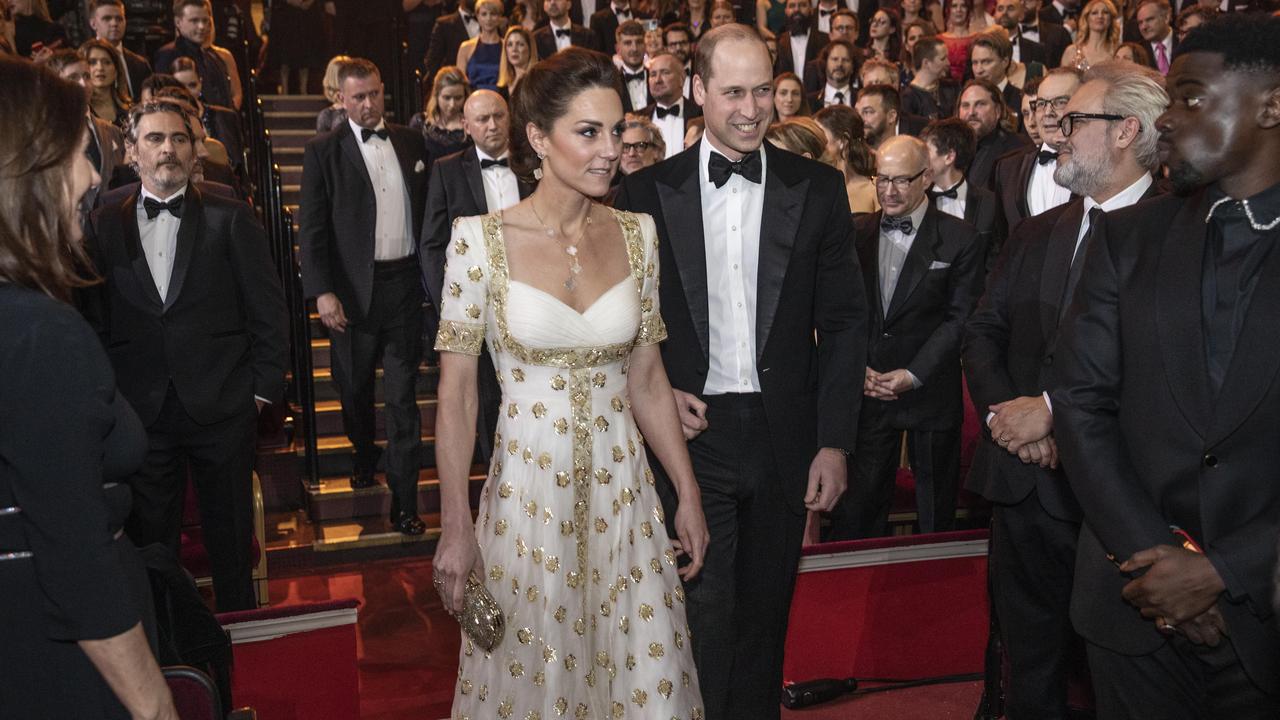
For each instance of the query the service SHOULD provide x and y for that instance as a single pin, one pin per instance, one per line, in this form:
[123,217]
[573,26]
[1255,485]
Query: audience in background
[517,57]
[800,135]
[958,38]
[1098,37]
[789,97]
[335,114]
[34,31]
[884,34]
[107,19]
[110,100]
[441,121]
[481,56]
[296,41]
[848,152]
[642,145]
[194,22]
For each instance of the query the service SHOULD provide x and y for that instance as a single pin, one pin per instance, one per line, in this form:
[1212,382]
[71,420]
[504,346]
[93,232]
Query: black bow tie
[952,193]
[632,77]
[623,14]
[561,32]
[660,112]
[1029,27]
[901,224]
[488,163]
[722,168]
[154,207]
[825,13]
[1044,157]
[366,133]
[468,19]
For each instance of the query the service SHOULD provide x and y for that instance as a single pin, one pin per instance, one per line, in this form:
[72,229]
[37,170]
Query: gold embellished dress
[570,526]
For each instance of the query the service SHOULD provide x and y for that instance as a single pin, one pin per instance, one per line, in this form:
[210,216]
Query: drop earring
[537,172]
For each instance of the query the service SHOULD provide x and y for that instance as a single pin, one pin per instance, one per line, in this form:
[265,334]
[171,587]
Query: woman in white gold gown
[570,537]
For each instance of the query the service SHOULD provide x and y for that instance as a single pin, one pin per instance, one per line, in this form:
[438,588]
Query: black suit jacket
[1011,179]
[1030,51]
[578,37]
[785,63]
[808,280]
[911,125]
[990,149]
[627,106]
[920,102]
[982,211]
[922,327]
[456,190]
[447,35]
[138,69]
[338,212]
[604,28]
[221,334]
[688,111]
[1146,444]
[1055,39]
[213,72]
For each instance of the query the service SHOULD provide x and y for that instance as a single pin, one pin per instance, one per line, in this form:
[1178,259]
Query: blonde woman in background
[334,115]
[1098,37]
[519,53]
[481,56]
[800,135]
[848,152]
[441,122]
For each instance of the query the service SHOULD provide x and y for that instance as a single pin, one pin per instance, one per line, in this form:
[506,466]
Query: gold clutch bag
[481,618]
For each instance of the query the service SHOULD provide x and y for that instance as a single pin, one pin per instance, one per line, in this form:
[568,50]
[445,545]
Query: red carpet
[408,649]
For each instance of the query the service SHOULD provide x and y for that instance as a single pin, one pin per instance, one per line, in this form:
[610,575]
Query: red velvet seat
[195,558]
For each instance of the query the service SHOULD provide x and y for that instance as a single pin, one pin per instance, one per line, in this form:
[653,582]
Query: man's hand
[1043,452]
[1179,585]
[828,477]
[330,309]
[1207,629]
[1020,421]
[888,385]
[692,412]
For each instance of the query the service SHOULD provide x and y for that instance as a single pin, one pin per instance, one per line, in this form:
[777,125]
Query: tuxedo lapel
[471,170]
[352,152]
[784,194]
[189,231]
[1057,266]
[127,215]
[681,201]
[1179,322]
[916,265]
[405,156]
[1028,165]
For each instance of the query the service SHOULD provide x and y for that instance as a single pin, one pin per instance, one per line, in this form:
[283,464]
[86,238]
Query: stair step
[295,103]
[334,498]
[329,416]
[354,534]
[287,138]
[296,120]
[291,174]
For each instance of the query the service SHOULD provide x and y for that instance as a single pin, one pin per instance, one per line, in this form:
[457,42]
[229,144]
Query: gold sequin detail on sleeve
[460,337]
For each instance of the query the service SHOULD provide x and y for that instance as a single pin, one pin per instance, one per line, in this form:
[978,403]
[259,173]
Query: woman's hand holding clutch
[457,557]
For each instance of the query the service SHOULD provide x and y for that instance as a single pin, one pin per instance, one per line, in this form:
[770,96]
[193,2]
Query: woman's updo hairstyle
[543,97]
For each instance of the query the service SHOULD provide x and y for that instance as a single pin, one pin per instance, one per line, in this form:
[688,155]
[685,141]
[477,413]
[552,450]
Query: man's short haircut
[997,98]
[996,40]
[1164,6]
[141,110]
[846,12]
[1134,91]
[629,27]
[712,38]
[155,82]
[182,63]
[889,97]
[1071,70]
[676,27]
[180,6]
[952,135]
[177,93]
[356,67]
[1248,42]
[926,47]
[1032,86]
[879,62]
[61,59]
[95,4]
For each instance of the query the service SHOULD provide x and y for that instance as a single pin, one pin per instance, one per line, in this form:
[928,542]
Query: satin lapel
[405,155]
[682,213]
[128,214]
[1257,354]
[189,235]
[1029,160]
[471,169]
[916,265]
[349,148]
[1057,265]
[1179,316]
[784,196]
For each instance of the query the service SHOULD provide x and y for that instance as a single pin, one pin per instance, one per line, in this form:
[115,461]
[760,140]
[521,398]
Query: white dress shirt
[829,95]
[501,190]
[637,90]
[799,44]
[671,127]
[588,9]
[955,208]
[393,226]
[894,247]
[852,5]
[731,217]
[159,236]
[561,42]
[1043,193]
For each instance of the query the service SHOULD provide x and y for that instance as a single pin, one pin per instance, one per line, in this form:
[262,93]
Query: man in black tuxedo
[755,259]
[1050,33]
[1009,15]
[669,112]
[194,22]
[447,35]
[951,144]
[801,42]
[1155,25]
[107,19]
[629,43]
[364,191]
[922,271]
[843,25]
[879,106]
[474,181]
[1024,179]
[193,319]
[837,87]
[982,106]
[560,31]
[1165,402]
[1009,357]
[605,22]
[1057,11]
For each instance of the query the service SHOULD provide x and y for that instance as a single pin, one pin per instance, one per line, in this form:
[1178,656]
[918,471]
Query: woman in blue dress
[481,55]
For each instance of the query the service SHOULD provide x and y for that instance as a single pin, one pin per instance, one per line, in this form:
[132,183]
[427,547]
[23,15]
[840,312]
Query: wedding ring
[1165,626]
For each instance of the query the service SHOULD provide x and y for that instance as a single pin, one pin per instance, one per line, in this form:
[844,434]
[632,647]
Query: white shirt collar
[144,194]
[1124,198]
[555,27]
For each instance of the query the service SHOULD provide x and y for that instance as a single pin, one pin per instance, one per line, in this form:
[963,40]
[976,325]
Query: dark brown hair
[41,125]
[119,91]
[952,135]
[845,125]
[180,6]
[544,95]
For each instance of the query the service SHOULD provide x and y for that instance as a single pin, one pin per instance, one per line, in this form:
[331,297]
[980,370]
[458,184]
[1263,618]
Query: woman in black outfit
[73,588]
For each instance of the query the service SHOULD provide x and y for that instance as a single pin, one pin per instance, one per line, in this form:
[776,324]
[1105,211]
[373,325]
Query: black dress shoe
[362,479]
[410,524]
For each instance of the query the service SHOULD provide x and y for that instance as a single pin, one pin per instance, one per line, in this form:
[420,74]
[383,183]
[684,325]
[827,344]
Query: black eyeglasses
[901,183]
[636,147]
[1059,103]
[1067,123]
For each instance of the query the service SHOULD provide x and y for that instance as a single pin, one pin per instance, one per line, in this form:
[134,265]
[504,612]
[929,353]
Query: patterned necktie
[902,224]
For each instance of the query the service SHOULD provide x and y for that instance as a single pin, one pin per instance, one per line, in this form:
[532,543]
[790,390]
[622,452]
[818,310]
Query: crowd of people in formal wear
[699,280]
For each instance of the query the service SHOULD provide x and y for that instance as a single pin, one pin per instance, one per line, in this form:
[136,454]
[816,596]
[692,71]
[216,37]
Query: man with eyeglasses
[923,271]
[1024,180]
[677,39]
[642,145]
[1166,402]
[1108,145]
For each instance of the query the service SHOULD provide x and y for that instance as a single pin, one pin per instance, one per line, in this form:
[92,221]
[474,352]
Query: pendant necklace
[570,248]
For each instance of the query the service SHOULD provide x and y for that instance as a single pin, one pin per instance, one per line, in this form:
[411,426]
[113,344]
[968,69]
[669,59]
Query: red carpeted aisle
[408,647]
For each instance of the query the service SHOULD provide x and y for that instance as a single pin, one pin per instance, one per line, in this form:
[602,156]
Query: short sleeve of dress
[652,329]
[465,301]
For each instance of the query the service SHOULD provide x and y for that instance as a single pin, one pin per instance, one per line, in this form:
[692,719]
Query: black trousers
[1180,681]
[1031,564]
[738,606]
[219,459]
[934,455]
[391,332]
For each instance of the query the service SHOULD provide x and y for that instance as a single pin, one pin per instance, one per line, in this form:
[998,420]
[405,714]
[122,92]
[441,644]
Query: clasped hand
[1023,426]
[887,385]
[1179,589]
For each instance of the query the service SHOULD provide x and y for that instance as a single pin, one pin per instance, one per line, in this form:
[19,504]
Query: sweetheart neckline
[566,305]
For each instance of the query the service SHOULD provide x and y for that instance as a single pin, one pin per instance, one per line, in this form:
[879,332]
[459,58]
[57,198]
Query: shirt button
[735,266]
[735,191]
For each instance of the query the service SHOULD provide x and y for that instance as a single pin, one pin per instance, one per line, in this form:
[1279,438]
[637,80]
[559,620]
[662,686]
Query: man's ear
[1269,114]
[698,89]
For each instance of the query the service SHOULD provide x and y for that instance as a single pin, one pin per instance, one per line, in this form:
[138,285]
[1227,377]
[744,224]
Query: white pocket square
[419,167]
[939,265]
